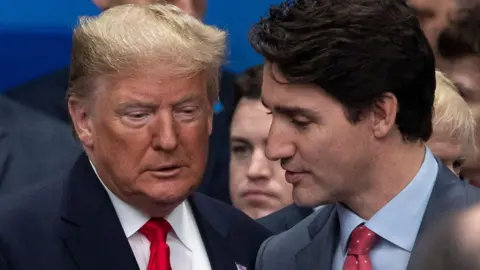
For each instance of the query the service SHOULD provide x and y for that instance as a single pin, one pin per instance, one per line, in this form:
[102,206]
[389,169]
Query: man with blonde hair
[142,84]
[46,95]
[453,137]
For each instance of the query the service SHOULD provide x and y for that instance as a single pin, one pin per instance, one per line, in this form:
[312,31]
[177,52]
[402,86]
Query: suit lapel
[324,232]
[448,194]
[215,235]
[297,214]
[91,229]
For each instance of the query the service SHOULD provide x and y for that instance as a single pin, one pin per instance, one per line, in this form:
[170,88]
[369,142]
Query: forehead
[276,92]
[250,118]
[164,88]
[429,4]
[445,147]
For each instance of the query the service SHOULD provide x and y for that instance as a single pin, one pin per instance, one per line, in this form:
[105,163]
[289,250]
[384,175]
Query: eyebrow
[187,99]
[290,110]
[136,104]
[239,139]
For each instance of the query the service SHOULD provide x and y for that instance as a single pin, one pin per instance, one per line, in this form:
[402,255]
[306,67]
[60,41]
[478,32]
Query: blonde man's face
[193,7]
[449,151]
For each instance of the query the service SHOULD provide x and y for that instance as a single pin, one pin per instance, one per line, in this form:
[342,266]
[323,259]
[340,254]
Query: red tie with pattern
[156,231]
[361,242]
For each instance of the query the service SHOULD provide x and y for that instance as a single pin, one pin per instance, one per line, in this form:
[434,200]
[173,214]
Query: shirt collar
[399,220]
[181,219]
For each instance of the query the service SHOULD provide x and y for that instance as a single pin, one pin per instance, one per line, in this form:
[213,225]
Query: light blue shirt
[397,223]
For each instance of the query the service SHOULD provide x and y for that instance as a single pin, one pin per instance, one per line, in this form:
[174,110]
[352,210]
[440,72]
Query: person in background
[46,95]
[452,244]
[434,16]
[459,50]
[33,147]
[143,82]
[351,135]
[453,137]
[257,185]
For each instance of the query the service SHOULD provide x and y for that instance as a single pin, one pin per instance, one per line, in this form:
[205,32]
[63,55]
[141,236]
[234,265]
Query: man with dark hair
[350,85]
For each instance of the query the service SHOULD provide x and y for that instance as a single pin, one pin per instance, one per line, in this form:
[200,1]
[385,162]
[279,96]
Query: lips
[293,177]
[166,170]
[256,195]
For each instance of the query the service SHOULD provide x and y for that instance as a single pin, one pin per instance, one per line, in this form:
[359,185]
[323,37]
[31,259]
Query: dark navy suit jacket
[33,147]
[70,223]
[47,96]
[285,218]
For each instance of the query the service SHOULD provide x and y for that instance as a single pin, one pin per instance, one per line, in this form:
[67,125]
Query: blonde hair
[452,116]
[130,40]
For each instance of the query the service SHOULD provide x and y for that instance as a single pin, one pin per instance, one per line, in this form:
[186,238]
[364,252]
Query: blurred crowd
[399,94]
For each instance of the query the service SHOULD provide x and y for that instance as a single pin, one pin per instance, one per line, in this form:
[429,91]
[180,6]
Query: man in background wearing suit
[142,85]
[352,102]
[47,96]
[33,147]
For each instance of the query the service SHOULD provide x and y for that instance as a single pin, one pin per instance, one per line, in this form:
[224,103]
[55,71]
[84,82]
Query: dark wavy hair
[356,51]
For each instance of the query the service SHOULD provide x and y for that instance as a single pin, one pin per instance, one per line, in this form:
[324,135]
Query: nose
[279,144]
[259,166]
[165,133]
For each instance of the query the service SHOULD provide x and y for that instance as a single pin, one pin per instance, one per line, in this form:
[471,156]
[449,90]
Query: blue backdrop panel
[35,36]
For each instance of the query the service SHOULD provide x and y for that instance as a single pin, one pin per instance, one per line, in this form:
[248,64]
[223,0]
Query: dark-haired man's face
[322,152]
[193,7]
[433,16]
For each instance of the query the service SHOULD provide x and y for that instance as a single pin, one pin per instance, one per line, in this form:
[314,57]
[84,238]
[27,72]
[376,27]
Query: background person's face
[433,16]
[464,72]
[148,138]
[448,150]
[193,7]
[257,185]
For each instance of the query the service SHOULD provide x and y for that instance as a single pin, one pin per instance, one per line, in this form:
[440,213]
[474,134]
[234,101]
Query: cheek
[238,171]
[194,141]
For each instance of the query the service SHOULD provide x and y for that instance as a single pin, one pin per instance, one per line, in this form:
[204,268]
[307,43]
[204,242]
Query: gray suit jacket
[33,147]
[285,218]
[311,243]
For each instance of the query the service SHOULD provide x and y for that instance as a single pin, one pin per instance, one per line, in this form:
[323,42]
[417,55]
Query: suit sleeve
[261,253]
[3,262]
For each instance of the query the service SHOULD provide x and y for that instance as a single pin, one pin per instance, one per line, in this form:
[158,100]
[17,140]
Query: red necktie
[156,231]
[361,242]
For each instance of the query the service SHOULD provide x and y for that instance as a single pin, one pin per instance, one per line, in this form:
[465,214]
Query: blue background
[35,35]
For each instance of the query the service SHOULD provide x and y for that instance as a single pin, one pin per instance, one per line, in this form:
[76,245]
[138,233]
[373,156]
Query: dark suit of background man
[142,86]
[352,108]
[47,95]
[33,147]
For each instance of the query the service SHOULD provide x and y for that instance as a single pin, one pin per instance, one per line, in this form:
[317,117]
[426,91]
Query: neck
[391,172]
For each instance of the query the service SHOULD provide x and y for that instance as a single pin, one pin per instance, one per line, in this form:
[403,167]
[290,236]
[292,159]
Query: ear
[384,114]
[210,122]
[82,121]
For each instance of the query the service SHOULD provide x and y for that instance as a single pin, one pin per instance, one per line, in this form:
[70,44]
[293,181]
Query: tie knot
[156,230]
[362,240]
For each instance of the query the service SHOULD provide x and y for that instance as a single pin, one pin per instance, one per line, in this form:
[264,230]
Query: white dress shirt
[186,245]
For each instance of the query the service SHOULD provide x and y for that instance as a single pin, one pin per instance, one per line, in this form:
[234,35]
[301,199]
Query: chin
[307,199]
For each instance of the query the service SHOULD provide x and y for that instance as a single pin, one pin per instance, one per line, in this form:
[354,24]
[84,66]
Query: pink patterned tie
[361,242]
